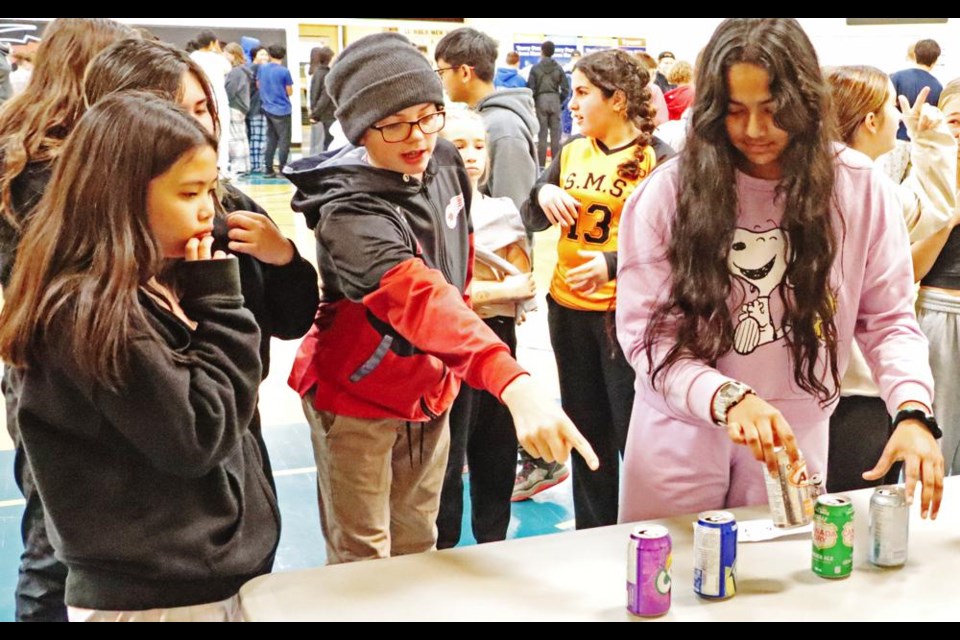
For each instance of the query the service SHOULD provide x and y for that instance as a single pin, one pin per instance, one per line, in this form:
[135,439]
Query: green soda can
[833,537]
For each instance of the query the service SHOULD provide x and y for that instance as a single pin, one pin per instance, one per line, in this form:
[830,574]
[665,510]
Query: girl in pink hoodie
[747,268]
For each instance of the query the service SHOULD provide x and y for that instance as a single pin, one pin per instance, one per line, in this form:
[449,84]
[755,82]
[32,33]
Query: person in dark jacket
[551,88]
[665,62]
[282,295]
[139,360]
[33,128]
[321,106]
[394,335]
[910,82]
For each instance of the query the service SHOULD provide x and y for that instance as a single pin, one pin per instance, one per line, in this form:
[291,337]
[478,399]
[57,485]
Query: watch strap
[920,416]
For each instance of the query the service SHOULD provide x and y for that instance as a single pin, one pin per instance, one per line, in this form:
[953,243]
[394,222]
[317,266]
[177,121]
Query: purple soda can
[649,557]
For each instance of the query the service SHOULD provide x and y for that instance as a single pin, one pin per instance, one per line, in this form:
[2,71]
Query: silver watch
[727,397]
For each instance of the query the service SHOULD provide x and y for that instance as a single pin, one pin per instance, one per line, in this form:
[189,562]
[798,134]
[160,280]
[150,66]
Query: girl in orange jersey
[583,193]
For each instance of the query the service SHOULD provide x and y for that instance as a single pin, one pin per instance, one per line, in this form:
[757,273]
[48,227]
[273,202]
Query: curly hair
[696,317]
[614,70]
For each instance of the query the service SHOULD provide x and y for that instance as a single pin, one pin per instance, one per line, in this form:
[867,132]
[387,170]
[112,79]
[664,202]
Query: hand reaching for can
[756,423]
[922,463]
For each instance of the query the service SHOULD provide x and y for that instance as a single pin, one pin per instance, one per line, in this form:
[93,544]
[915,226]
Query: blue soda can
[715,556]
[649,556]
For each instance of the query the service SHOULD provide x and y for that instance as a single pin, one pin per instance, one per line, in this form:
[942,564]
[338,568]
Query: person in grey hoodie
[466,61]
[551,88]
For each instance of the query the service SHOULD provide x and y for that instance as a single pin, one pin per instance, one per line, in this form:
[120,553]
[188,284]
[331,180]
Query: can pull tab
[815,485]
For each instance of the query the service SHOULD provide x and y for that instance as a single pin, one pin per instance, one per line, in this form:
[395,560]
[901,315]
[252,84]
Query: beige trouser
[378,483]
[226,611]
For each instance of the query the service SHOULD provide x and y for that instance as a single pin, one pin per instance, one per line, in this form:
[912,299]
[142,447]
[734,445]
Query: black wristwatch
[920,416]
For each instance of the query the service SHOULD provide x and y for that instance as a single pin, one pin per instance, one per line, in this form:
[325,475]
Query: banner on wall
[528,47]
[594,44]
[633,45]
[424,37]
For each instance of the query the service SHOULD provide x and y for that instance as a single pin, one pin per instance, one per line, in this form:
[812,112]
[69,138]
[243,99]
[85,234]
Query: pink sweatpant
[673,468]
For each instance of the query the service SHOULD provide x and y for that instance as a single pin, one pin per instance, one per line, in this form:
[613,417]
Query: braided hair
[615,70]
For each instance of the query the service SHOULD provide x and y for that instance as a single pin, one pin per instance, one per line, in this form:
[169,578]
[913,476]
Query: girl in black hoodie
[140,368]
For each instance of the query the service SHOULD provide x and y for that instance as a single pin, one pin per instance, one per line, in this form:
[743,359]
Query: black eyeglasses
[442,69]
[400,131]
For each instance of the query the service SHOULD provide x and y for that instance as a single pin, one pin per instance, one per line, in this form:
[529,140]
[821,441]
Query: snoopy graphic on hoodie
[758,259]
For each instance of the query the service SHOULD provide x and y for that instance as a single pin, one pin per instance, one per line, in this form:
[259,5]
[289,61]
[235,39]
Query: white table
[582,576]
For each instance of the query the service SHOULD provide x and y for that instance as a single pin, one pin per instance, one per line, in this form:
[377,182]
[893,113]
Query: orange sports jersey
[588,172]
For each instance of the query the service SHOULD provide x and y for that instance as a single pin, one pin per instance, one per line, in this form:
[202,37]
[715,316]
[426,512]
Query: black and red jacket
[394,334]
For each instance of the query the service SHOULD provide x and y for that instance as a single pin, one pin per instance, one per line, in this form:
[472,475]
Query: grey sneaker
[536,476]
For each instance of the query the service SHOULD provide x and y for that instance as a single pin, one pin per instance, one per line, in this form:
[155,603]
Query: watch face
[732,391]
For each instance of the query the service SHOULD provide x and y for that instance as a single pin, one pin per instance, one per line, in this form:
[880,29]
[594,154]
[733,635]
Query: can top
[835,501]
[717,517]
[650,532]
[892,492]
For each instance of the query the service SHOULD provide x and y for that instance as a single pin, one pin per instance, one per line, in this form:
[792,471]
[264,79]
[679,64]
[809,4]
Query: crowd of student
[141,293]
[252,87]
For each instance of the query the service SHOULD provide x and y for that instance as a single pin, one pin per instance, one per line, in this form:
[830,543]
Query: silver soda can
[792,492]
[889,527]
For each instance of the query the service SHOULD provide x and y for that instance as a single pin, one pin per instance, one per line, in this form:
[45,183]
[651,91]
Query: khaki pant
[379,483]
[226,611]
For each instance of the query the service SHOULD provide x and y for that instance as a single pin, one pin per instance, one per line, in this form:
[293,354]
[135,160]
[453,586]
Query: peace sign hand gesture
[921,116]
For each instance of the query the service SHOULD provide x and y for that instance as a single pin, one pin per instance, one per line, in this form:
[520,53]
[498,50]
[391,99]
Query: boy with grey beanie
[395,334]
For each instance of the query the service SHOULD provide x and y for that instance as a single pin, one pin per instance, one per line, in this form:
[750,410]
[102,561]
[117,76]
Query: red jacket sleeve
[431,313]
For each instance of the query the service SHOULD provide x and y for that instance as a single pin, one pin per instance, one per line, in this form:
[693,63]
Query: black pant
[482,432]
[596,390]
[859,431]
[548,113]
[42,581]
[279,132]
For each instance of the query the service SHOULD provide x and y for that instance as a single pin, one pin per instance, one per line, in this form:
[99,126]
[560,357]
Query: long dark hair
[696,314]
[34,124]
[90,247]
[614,70]
[143,65]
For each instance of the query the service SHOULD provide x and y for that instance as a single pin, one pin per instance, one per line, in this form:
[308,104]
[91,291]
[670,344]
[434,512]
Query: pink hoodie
[677,461]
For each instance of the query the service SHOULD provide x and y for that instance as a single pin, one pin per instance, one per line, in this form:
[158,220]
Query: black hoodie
[548,77]
[394,334]
[155,493]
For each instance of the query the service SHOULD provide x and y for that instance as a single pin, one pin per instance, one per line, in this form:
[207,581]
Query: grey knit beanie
[376,77]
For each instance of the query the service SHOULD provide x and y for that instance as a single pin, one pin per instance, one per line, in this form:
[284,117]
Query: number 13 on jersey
[593,225]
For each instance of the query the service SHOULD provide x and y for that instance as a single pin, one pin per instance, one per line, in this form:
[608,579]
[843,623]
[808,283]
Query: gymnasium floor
[287,435]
